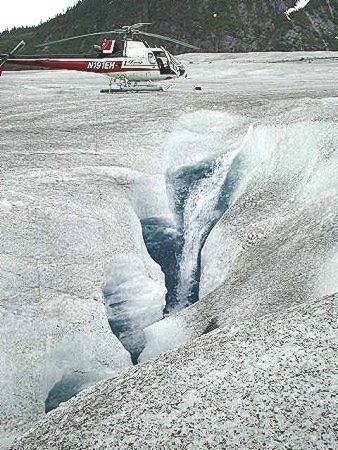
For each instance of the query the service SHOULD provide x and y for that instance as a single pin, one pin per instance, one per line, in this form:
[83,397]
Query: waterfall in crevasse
[201,210]
[200,194]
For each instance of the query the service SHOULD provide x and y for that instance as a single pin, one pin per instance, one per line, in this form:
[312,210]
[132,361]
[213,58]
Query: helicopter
[128,60]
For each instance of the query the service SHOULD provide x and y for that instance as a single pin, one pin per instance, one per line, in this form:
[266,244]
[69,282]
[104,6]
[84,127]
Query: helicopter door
[162,62]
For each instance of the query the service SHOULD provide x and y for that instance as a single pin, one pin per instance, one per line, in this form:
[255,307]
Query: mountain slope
[259,25]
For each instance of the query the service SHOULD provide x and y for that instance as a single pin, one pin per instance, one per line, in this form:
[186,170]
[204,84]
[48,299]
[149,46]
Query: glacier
[194,232]
[267,382]
[281,190]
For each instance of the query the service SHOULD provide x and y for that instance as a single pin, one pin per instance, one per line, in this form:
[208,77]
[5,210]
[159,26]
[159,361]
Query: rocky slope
[258,25]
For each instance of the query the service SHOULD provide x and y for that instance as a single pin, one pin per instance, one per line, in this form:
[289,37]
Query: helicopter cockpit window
[151,58]
[163,62]
[118,47]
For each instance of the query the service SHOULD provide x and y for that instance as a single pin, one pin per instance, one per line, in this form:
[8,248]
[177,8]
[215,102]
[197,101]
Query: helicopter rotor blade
[126,30]
[165,38]
[80,36]
[139,25]
[136,26]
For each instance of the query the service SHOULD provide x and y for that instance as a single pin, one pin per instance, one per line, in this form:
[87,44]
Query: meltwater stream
[207,200]
[199,195]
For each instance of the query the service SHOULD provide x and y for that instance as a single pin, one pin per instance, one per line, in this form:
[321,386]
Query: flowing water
[201,212]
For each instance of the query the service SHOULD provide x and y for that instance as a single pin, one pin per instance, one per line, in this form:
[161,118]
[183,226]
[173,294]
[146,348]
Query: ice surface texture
[78,173]
[278,241]
[267,382]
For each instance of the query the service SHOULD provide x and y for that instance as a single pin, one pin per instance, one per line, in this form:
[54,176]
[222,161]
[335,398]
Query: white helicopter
[129,61]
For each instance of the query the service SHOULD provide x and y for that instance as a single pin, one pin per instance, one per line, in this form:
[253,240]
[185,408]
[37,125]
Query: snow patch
[300,4]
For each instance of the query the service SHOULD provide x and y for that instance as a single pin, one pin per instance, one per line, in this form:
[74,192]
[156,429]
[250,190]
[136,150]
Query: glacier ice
[58,240]
[267,382]
[134,299]
[80,173]
[278,233]
[161,337]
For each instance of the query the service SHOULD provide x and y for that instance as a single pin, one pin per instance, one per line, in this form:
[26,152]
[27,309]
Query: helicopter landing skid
[133,87]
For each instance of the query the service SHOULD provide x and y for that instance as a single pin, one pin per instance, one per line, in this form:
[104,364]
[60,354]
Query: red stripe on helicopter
[97,66]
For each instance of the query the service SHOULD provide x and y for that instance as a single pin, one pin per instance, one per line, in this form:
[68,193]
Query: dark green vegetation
[241,25]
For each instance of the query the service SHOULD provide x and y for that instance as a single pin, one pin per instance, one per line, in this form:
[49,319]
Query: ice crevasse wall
[177,209]
[256,229]
[277,242]
[59,234]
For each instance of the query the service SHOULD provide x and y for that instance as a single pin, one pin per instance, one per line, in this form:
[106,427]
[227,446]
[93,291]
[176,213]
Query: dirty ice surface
[81,172]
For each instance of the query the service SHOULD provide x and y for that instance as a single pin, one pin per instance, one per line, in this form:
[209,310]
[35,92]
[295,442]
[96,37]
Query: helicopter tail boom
[15,50]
